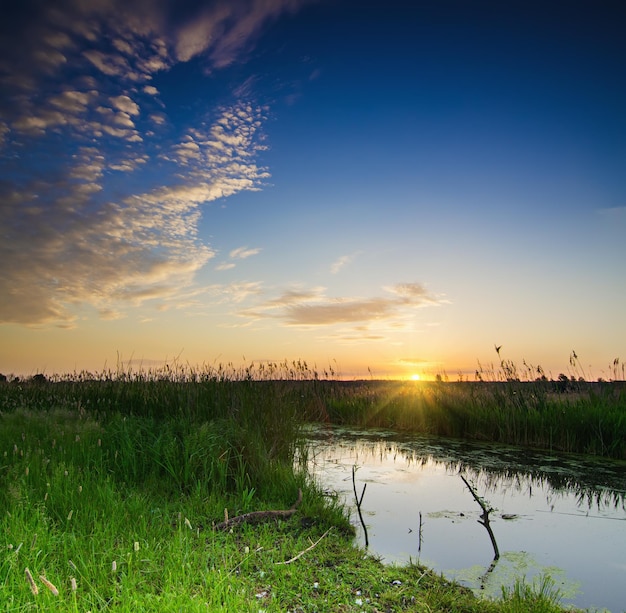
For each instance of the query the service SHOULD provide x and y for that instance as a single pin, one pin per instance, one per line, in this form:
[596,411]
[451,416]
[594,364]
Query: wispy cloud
[72,233]
[342,262]
[236,292]
[224,30]
[241,253]
[225,266]
[314,308]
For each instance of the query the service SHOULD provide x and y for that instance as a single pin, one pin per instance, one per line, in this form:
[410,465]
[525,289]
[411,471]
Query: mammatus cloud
[314,308]
[77,112]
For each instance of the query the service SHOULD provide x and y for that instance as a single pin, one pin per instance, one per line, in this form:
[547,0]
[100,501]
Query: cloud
[225,29]
[241,253]
[66,245]
[342,261]
[120,44]
[128,39]
[339,311]
[314,308]
[413,361]
[225,266]
[110,64]
[236,292]
[124,103]
[72,101]
[77,101]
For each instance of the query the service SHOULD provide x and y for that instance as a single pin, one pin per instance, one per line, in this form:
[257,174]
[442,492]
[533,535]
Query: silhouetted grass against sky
[396,186]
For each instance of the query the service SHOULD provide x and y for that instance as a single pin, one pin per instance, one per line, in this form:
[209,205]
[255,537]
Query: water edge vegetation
[112,483]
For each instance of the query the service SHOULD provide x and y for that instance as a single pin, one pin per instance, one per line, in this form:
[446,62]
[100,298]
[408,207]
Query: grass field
[110,487]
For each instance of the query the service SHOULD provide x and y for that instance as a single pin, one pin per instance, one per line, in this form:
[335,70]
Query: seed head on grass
[33,586]
[50,586]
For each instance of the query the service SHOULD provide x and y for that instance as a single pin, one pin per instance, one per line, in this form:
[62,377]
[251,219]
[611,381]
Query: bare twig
[305,550]
[358,505]
[420,534]
[484,518]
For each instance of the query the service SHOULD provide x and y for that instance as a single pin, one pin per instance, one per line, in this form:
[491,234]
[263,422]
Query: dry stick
[420,535]
[305,550]
[484,517]
[358,505]
[258,516]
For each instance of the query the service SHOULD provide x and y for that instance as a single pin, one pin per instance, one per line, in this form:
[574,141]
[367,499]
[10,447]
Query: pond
[557,515]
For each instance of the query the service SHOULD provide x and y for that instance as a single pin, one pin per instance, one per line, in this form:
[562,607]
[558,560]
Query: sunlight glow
[415,377]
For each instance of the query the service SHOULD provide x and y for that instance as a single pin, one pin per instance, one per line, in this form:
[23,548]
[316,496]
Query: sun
[415,377]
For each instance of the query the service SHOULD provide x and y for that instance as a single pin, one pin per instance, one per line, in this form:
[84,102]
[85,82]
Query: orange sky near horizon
[381,192]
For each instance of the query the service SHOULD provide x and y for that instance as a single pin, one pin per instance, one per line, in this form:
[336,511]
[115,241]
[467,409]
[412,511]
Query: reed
[568,414]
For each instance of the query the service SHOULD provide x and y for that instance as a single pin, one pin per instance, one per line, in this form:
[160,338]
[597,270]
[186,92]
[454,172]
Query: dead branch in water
[484,518]
[358,505]
[256,517]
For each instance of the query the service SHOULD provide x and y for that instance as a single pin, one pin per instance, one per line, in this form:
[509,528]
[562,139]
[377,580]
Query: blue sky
[395,187]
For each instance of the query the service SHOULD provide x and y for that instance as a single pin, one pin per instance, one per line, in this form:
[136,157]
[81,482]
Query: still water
[564,516]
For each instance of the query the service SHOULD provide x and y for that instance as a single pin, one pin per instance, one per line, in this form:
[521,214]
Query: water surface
[552,514]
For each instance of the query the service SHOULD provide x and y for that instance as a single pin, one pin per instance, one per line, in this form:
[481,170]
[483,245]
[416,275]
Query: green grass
[110,486]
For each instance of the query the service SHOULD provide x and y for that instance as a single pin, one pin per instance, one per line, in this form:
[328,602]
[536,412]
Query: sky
[383,189]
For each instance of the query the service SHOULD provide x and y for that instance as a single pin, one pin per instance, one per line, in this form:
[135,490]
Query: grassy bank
[110,487]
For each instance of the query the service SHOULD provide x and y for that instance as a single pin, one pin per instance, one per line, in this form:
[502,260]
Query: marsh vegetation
[111,484]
